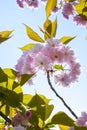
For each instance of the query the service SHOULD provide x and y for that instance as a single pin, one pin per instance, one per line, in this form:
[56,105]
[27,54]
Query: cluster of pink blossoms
[30,3]
[67,9]
[45,57]
[18,121]
[33,4]
[81,121]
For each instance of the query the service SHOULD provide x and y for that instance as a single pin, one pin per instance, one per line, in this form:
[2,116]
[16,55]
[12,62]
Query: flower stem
[65,104]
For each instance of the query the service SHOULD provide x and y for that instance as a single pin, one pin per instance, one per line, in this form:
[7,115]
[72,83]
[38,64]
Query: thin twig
[65,104]
[5,117]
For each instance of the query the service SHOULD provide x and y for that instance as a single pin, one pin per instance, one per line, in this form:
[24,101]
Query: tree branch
[65,104]
[5,117]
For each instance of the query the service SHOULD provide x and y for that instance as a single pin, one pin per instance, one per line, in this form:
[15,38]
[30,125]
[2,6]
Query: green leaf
[26,98]
[66,39]
[50,28]
[10,97]
[62,118]
[54,28]
[46,100]
[40,102]
[3,76]
[36,100]
[47,28]
[10,73]
[4,35]
[1,121]
[33,35]
[71,0]
[27,47]
[80,128]
[44,111]
[58,67]
[84,9]
[24,78]
[51,4]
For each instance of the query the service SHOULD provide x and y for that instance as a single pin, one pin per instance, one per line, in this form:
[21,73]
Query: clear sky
[12,17]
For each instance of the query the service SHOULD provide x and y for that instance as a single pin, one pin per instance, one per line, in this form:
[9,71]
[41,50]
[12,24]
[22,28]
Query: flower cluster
[29,3]
[68,9]
[53,57]
[21,120]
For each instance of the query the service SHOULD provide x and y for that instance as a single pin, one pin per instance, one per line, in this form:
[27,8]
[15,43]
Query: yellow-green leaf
[27,98]
[33,35]
[47,23]
[58,67]
[4,35]
[66,39]
[48,28]
[27,47]
[3,76]
[2,126]
[62,118]
[80,7]
[10,73]
[64,127]
[24,78]
[54,28]
[51,4]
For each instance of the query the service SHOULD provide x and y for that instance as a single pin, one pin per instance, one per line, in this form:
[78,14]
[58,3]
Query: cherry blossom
[19,121]
[82,120]
[44,57]
[19,127]
[30,3]
[20,3]
[79,20]
[63,79]
[67,10]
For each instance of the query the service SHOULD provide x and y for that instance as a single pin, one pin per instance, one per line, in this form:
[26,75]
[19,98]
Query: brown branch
[5,117]
[65,104]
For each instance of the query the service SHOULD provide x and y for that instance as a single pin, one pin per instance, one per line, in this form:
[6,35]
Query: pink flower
[30,3]
[55,10]
[62,79]
[79,20]
[67,10]
[82,121]
[68,54]
[54,54]
[19,127]
[54,43]
[20,3]
[17,119]
[37,49]
[75,71]
[41,62]
[33,3]
[44,0]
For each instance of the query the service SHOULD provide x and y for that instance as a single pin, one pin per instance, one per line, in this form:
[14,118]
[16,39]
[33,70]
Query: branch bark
[5,117]
[65,104]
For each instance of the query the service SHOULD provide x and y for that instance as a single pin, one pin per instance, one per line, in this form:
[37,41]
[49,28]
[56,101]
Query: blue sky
[12,17]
